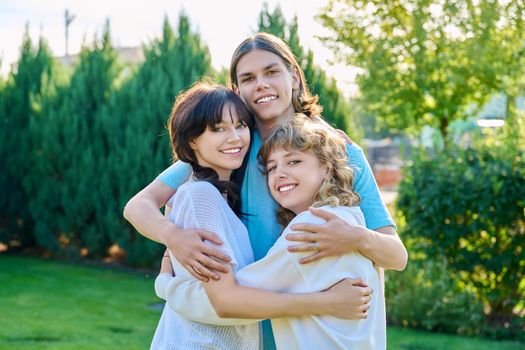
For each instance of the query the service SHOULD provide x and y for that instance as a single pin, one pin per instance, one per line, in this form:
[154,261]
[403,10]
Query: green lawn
[52,305]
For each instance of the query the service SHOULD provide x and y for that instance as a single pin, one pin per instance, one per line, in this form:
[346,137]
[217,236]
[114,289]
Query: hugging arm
[216,302]
[225,302]
[142,211]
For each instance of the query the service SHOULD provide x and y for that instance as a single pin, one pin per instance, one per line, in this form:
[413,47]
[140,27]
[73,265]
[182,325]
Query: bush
[424,296]
[469,205]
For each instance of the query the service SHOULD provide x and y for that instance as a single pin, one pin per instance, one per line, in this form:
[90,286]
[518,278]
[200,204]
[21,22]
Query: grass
[53,305]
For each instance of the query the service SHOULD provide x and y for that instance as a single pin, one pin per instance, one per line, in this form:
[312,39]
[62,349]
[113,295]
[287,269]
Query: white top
[200,205]
[280,271]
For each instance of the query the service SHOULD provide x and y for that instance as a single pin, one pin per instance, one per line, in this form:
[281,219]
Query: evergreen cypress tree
[336,109]
[25,83]
[135,129]
[65,179]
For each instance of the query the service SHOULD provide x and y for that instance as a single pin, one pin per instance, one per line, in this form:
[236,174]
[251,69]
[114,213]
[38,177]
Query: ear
[296,80]
[328,171]
[236,90]
[193,145]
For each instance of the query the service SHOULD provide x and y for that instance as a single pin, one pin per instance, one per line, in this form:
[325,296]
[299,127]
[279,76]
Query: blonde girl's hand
[335,237]
[165,264]
[349,299]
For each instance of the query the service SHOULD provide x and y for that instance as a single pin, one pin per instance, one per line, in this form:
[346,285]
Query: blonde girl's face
[224,146]
[295,177]
[265,84]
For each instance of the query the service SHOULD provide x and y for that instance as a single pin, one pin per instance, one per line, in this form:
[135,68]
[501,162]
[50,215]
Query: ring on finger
[315,246]
[196,271]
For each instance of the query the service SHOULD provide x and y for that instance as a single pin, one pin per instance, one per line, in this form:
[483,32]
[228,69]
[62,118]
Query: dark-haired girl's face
[223,146]
[265,84]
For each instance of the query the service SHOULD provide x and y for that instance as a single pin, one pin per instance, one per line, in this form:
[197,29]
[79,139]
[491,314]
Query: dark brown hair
[302,99]
[195,110]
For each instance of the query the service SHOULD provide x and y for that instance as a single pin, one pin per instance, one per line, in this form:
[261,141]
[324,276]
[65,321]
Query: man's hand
[336,237]
[201,260]
[349,299]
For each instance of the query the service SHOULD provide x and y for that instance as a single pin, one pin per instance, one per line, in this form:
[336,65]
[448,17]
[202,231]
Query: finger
[305,247]
[368,291]
[313,257]
[197,267]
[302,237]
[210,236]
[322,213]
[312,228]
[213,264]
[215,253]
[203,270]
[357,282]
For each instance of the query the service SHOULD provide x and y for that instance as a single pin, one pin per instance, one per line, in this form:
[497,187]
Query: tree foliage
[78,148]
[469,205]
[64,179]
[135,131]
[25,83]
[427,61]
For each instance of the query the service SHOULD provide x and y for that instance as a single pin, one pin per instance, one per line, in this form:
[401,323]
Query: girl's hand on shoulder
[335,237]
[201,260]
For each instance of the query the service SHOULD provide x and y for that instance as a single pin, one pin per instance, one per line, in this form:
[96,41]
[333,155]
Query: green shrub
[424,296]
[469,205]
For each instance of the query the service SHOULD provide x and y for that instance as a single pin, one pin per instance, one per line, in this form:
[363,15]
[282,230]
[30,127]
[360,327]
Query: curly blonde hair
[304,134]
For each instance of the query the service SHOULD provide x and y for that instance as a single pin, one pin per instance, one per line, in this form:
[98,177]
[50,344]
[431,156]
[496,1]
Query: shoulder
[200,188]
[198,194]
[352,215]
[354,151]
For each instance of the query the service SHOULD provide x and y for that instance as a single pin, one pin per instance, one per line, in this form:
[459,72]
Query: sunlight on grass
[53,305]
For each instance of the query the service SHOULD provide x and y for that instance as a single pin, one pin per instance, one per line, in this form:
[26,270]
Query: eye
[242,125]
[271,72]
[294,162]
[217,129]
[246,79]
[271,169]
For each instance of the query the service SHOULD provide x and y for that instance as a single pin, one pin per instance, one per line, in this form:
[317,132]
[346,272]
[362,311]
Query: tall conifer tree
[25,83]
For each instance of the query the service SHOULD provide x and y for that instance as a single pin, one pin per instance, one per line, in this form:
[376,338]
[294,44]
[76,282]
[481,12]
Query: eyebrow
[270,66]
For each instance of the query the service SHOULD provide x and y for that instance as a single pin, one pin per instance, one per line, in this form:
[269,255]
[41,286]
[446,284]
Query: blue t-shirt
[261,208]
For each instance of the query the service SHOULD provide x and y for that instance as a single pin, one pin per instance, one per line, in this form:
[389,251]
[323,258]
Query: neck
[264,126]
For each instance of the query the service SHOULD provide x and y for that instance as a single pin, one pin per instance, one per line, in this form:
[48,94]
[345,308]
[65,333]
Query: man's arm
[142,211]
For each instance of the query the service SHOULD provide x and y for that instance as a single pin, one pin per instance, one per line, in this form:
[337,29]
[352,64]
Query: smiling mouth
[231,150]
[286,188]
[266,99]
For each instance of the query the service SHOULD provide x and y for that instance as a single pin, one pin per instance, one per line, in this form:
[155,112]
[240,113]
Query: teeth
[266,99]
[231,151]
[286,188]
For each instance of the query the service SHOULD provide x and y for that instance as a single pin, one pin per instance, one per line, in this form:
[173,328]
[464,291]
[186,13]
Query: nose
[234,136]
[280,173]
[261,83]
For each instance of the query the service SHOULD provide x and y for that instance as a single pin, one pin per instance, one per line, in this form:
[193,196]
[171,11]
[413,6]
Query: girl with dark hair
[265,74]
[208,129]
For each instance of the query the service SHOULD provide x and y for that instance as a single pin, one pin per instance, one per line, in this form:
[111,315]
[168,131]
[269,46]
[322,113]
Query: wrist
[168,233]
[365,237]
